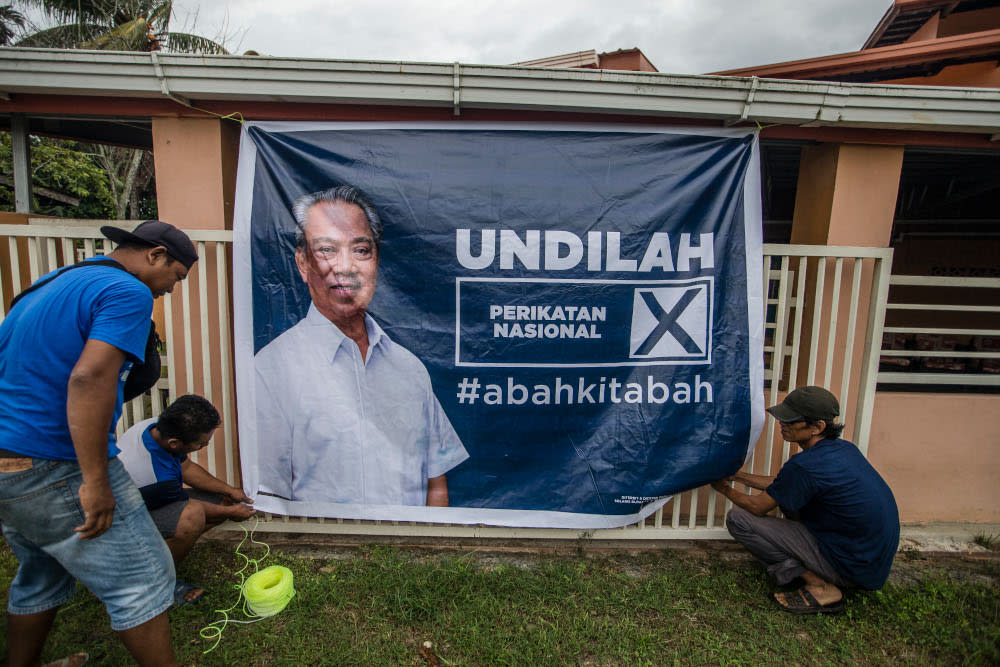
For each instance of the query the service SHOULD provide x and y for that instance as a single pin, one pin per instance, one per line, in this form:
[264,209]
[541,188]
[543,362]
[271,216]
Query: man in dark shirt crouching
[842,528]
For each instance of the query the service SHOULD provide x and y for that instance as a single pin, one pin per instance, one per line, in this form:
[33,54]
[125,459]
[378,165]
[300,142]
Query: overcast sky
[678,36]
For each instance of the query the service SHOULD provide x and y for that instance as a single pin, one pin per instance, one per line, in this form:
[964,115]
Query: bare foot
[825,595]
[74,660]
[193,594]
[824,592]
[186,593]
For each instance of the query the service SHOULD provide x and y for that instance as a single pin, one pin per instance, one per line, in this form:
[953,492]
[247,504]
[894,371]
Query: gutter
[158,71]
[201,78]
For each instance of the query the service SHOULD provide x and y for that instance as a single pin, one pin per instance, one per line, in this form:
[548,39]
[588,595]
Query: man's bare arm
[759,504]
[759,482]
[91,395]
[197,477]
[437,491]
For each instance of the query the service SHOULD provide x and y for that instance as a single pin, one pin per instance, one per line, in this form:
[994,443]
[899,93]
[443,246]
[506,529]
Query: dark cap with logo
[154,233]
[809,404]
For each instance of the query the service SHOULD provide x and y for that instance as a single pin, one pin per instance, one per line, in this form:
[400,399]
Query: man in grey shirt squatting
[344,414]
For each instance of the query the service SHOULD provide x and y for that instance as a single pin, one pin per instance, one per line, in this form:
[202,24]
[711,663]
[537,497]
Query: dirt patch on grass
[980,567]
[974,565]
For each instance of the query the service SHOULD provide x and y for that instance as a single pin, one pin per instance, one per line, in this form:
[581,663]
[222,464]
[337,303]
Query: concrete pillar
[846,196]
[195,164]
[21,157]
[21,151]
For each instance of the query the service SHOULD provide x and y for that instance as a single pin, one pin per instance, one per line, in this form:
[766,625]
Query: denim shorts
[129,567]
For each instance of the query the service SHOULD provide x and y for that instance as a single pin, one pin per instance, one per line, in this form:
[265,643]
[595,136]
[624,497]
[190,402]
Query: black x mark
[667,322]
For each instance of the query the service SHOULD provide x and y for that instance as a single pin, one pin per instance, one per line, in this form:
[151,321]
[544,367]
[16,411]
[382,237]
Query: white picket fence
[824,318]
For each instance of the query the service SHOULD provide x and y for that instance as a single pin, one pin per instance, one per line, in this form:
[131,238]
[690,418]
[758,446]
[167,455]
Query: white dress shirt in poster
[335,428]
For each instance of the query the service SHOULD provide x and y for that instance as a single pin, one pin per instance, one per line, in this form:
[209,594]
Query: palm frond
[182,42]
[61,37]
[120,25]
[11,21]
[159,16]
[10,15]
[131,36]
[69,11]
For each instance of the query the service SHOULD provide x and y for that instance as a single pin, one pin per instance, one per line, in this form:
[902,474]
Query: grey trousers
[785,547]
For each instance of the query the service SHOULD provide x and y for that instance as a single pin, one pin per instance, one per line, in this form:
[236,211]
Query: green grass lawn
[377,605]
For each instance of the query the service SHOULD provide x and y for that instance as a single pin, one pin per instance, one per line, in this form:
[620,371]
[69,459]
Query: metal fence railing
[823,322]
[942,332]
[825,313]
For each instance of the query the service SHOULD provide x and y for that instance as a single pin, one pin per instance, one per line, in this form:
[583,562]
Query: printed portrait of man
[344,413]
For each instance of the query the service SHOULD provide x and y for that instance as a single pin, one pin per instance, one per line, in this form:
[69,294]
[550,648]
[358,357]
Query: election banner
[548,325]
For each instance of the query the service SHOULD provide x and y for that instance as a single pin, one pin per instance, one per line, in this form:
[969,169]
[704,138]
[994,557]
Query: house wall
[940,454]
[631,60]
[984,74]
[963,23]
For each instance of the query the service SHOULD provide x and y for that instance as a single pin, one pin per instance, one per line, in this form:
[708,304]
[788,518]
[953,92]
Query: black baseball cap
[154,233]
[807,403]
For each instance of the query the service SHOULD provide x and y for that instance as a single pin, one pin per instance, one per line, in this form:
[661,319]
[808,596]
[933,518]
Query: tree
[11,22]
[129,173]
[117,25]
[68,182]
[113,25]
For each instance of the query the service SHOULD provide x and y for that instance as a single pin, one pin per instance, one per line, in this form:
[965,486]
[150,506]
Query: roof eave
[890,15]
[185,78]
[985,44]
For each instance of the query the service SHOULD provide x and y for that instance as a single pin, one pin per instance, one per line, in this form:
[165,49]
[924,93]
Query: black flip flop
[181,589]
[809,604]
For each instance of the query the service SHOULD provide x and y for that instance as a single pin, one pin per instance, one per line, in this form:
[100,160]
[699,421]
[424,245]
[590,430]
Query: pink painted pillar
[195,161]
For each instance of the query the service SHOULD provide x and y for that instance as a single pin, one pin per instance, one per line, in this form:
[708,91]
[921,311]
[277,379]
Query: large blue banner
[504,324]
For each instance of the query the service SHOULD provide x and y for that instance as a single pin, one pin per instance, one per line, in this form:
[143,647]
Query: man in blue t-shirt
[154,453]
[68,508]
[842,528]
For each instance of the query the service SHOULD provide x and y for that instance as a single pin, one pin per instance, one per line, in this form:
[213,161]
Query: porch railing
[942,332]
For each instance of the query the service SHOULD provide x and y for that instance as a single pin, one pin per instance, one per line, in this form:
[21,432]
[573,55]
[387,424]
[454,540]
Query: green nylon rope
[263,594]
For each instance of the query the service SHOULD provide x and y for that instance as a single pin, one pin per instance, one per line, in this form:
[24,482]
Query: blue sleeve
[793,488]
[167,467]
[121,317]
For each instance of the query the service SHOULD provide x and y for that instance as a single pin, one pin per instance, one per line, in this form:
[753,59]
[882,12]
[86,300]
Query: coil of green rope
[263,594]
[269,591]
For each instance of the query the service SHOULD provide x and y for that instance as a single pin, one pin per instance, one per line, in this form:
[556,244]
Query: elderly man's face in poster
[339,260]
